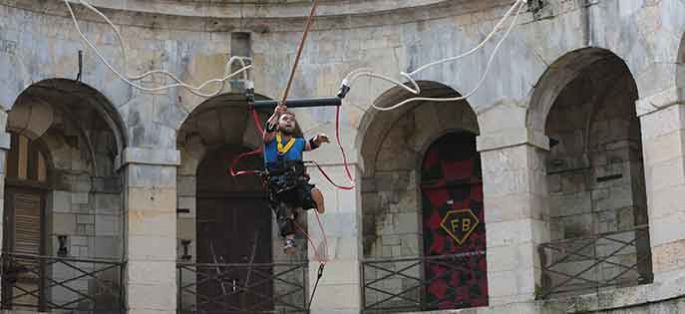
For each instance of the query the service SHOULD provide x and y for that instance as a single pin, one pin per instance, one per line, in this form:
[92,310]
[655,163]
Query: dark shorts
[291,186]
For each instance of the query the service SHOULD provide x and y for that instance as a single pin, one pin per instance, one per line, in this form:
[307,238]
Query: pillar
[150,192]
[5,141]
[662,119]
[339,290]
[514,192]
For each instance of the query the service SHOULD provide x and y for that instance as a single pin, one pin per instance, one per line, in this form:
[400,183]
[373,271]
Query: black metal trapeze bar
[298,103]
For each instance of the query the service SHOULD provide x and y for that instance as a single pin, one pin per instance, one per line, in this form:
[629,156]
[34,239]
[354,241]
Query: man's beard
[287,131]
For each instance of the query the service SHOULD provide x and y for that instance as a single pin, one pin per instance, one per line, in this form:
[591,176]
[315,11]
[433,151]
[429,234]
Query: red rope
[234,164]
[258,151]
[318,255]
[348,173]
[257,123]
[310,21]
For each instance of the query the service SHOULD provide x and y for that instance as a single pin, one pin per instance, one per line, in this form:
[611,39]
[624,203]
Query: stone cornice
[667,98]
[512,138]
[261,18]
[148,156]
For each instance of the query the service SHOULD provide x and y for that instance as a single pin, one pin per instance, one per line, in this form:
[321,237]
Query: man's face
[287,123]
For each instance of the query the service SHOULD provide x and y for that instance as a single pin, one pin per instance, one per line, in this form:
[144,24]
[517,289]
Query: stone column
[5,141]
[339,290]
[514,191]
[150,181]
[662,119]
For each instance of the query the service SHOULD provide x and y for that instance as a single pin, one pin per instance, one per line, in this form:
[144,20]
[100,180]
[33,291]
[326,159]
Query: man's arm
[270,126]
[316,141]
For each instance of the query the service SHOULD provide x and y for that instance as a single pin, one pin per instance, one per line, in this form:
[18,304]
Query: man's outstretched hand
[321,138]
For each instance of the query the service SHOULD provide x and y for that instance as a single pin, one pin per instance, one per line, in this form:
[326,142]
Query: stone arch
[80,136]
[390,174]
[371,130]
[220,117]
[394,146]
[76,96]
[585,105]
[210,138]
[564,70]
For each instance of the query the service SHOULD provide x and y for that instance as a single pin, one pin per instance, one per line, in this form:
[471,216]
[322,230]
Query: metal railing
[44,283]
[399,284]
[586,264]
[242,288]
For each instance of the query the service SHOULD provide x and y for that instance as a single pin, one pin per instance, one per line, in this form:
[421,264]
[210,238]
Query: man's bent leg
[285,216]
[317,197]
[286,224]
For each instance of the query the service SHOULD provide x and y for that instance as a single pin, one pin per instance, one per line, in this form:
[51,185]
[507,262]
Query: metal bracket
[536,5]
[80,65]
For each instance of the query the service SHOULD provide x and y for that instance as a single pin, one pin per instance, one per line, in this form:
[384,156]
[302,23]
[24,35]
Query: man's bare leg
[317,196]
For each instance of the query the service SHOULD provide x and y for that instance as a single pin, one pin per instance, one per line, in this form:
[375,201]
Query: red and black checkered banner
[453,224]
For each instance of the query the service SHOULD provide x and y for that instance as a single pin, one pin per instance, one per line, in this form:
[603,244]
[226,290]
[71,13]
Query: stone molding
[512,138]
[148,156]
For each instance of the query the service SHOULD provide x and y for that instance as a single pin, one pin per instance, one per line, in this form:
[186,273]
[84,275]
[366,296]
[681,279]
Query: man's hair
[297,132]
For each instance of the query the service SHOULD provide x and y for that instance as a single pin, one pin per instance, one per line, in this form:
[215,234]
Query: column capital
[510,138]
[659,101]
[148,156]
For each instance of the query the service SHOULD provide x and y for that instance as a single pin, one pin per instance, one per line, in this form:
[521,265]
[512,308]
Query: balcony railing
[586,264]
[42,284]
[400,284]
[242,288]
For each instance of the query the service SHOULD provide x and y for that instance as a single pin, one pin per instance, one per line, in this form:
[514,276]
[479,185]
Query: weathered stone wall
[38,42]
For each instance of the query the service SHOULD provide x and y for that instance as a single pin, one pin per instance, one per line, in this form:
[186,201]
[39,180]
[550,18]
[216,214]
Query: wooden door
[25,225]
[233,228]
[453,224]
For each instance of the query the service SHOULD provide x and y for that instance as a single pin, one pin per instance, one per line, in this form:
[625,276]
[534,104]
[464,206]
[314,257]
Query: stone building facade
[557,187]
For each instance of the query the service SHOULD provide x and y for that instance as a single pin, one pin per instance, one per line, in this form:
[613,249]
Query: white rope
[129,79]
[366,72]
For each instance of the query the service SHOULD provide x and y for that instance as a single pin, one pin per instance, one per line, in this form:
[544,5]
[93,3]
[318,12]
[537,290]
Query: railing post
[363,285]
[5,282]
[122,288]
[179,290]
[42,284]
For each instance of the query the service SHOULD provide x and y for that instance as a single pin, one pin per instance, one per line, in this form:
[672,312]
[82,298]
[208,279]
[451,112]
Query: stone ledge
[512,138]
[189,16]
[148,156]
[659,101]
[612,299]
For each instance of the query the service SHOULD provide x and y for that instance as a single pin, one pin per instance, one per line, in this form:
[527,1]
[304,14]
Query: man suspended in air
[288,184]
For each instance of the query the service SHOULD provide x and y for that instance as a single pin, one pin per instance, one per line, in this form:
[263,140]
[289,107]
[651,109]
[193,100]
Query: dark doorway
[234,225]
[454,224]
